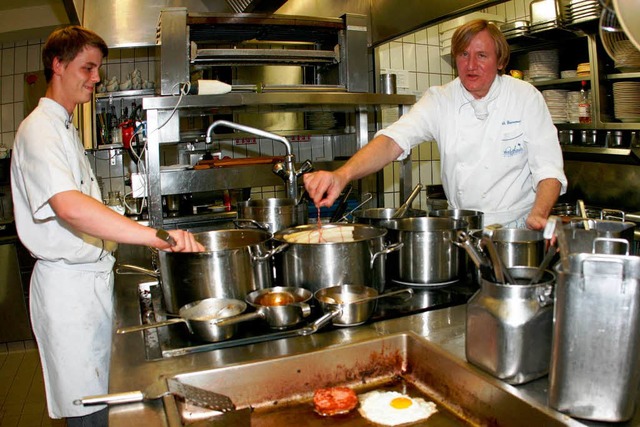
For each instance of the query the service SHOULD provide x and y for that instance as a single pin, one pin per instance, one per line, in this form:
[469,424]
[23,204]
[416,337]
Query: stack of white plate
[626,101]
[573,99]
[556,100]
[543,65]
[627,56]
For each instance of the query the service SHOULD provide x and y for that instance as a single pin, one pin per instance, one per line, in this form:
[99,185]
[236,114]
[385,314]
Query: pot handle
[240,318]
[305,308]
[391,248]
[135,328]
[253,222]
[321,321]
[134,269]
[545,296]
[268,255]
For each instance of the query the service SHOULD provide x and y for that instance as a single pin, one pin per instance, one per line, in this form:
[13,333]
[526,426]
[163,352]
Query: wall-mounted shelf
[629,156]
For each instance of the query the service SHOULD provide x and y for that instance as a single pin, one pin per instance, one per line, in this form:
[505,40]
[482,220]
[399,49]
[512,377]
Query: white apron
[72,314]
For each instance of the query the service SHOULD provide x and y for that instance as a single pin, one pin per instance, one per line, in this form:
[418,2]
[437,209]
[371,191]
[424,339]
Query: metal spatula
[163,387]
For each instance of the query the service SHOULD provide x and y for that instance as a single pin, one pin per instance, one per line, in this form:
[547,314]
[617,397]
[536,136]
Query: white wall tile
[409,56]
[520,9]
[395,55]
[383,56]
[6,86]
[7,139]
[433,38]
[18,88]
[434,59]
[20,61]
[422,58]
[510,11]
[436,168]
[7,61]
[34,58]
[18,114]
[423,82]
[409,38]
[7,118]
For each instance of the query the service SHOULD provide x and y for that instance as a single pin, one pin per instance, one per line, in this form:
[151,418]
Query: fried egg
[391,408]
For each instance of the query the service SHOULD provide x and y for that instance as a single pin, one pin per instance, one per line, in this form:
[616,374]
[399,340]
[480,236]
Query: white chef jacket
[71,293]
[492,165]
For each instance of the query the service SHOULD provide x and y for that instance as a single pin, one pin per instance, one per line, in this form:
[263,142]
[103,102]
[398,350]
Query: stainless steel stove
[175,340]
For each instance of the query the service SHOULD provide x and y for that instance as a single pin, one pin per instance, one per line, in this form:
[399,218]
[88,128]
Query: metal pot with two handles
[273,214]
[318,257]
[429,255]
[233,264]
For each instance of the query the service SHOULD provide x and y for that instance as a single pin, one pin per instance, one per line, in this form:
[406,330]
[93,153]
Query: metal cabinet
[163,127]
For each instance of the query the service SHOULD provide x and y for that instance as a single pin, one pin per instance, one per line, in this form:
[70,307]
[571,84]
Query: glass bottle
[114,202]
[584,106]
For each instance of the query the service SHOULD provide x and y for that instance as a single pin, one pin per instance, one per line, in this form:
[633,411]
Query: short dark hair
[463,35]
[66,43]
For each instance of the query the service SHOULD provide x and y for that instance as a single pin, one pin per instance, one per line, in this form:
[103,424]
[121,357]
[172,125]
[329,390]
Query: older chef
[498,146]
[62,221]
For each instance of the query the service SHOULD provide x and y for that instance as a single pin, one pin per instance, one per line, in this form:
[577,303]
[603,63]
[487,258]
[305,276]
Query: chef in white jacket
[62,221]
[498,146]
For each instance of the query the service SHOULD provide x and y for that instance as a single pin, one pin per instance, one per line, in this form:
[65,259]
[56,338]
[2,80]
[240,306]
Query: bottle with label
[584,106]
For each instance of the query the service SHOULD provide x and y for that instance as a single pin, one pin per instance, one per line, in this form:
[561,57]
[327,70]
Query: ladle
[502,274]
[554,225]
[402,210]
[551,251]
[331,300]
[583,214]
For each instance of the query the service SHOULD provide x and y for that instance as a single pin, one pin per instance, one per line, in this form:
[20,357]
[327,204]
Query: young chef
[61,220]
[498,146]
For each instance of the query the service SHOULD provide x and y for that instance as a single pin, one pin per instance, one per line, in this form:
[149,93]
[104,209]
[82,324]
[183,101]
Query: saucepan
[202,318]
[350,305]
[280,306]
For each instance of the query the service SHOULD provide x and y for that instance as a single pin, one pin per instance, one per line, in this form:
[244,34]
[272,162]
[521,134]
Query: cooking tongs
[195,395]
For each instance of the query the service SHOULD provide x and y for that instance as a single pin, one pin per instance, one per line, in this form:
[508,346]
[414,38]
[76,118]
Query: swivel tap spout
[289,175]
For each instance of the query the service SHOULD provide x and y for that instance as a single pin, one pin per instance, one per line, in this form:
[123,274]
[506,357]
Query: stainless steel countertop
[131,371]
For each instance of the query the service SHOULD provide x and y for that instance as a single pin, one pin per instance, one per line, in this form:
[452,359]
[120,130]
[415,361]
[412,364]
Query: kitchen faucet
[284,170]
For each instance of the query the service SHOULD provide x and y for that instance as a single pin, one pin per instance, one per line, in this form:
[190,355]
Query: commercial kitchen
[206,119]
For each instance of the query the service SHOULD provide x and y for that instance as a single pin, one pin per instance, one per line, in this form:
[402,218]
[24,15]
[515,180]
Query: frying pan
[202,318]
[280,306]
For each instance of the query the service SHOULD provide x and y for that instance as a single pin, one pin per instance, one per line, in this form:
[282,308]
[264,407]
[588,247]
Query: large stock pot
[274,214]
[234,263]
[317,263]
[428,255]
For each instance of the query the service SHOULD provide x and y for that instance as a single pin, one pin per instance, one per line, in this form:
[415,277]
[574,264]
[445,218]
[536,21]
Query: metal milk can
[509,326]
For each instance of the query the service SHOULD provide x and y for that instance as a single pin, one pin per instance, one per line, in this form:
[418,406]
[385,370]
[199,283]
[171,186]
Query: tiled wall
[419,55]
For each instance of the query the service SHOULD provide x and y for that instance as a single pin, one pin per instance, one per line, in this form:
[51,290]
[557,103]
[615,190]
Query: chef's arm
[547,194]
[324,187]
[87,215]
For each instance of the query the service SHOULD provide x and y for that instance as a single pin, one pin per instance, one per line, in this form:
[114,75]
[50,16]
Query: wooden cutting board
[248,161]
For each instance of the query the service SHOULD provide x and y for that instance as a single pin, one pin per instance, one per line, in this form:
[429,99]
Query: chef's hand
[184,242]
[536,222]
[324,187]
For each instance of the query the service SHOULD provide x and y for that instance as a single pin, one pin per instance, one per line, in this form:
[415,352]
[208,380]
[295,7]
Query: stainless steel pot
[234,263]
[581,240]
[280,306]
[350,305]
[519,246]
[429,255]
[382,217]
[203,318]
[474,218]
[274,214]
[319,265]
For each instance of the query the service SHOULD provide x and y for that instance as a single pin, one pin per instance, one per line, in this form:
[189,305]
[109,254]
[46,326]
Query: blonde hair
[463,35]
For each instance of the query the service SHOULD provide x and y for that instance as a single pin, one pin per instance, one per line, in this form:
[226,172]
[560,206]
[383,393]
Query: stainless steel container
[595,363]
[519,246]
[234,263]
[319,265]
[509,327]
[475,219]
[382,217]
[581,240]
[428,255]
[274,214]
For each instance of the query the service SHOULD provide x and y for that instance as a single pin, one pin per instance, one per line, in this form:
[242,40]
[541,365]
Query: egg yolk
[401,403]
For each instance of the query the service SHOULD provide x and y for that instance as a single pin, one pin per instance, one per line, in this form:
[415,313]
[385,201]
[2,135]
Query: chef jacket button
[484,195]
[486,166]
[459,193]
